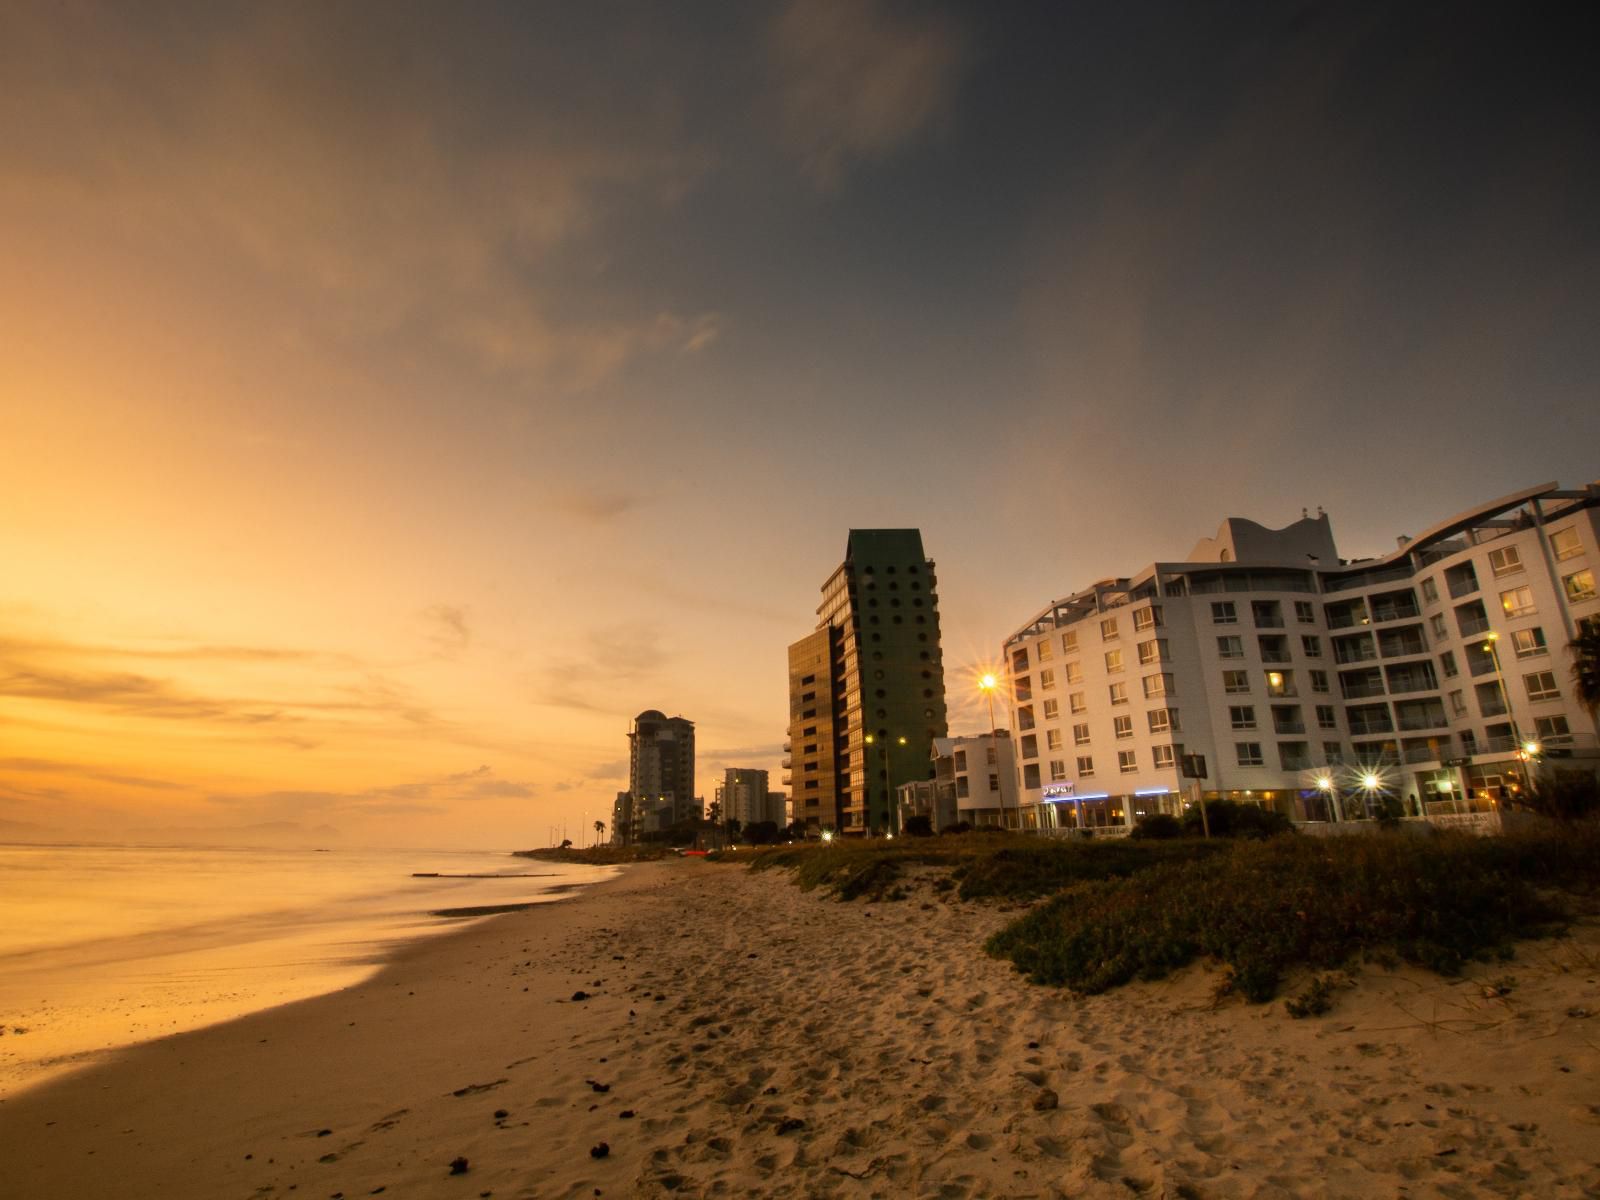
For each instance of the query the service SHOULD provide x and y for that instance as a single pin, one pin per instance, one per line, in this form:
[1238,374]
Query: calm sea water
[102,946]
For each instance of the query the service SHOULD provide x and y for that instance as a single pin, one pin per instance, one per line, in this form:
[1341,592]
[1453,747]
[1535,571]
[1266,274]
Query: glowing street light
[1326,787]
[987,685]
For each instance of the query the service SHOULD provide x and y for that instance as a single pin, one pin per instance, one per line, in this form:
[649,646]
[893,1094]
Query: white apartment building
[1436,675]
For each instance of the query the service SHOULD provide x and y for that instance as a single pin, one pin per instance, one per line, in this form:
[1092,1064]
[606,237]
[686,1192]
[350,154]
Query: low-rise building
[1432,680]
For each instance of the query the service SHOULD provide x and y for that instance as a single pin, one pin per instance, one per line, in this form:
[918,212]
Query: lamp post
[888,797]
[1525,751]
[1326,786]
[986,685]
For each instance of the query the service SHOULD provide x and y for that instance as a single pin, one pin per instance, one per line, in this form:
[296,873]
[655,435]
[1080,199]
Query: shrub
[1566,795]
[1157,827]
[1231,819]
[958,827]
[1261,908]
[920,825]
[1314,1001]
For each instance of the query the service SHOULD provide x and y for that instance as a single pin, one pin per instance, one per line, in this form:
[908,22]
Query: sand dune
[739,1037]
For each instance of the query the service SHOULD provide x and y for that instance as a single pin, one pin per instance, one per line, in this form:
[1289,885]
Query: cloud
[858,79]
[428,796]
[418,181]
[599,506]
[41,766]
[447,629]
[597,664]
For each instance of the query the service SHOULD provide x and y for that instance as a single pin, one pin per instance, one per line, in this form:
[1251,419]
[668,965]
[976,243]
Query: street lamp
[888,798]
[986,685]
[1524,755]
[1325,785]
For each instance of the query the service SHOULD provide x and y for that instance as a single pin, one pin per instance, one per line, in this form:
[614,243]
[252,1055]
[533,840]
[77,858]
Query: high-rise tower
[661,769]
[866,689]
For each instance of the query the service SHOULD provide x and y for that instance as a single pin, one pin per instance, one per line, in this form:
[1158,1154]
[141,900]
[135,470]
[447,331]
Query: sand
[740,1037]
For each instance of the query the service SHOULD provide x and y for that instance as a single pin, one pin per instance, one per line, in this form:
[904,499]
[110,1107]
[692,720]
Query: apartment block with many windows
[866,687]
[1436,676]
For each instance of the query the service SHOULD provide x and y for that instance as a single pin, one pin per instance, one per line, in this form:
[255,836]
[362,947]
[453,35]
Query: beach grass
[1263,909]
[600,856]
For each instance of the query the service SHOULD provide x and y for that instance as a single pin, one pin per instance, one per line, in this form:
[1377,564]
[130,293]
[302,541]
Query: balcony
[1395,612]
[1404,681]
[1354,649]
[1461,581]
[1492,708]
[1367,727]
[1402,643]
[1421,754]
[1287,727]
[1472,626]
[1417,722]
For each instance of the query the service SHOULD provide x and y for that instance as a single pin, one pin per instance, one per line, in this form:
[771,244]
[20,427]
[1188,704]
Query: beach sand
[741,1037]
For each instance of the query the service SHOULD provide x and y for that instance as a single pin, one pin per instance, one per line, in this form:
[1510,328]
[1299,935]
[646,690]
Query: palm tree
[1585,651]
[599,830]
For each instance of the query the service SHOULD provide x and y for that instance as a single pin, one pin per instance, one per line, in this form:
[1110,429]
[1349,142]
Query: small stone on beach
[599,1151]
[580,994]
[1045,1100]
[458,1166]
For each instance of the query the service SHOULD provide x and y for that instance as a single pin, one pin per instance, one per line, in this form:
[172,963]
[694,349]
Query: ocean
[105,946]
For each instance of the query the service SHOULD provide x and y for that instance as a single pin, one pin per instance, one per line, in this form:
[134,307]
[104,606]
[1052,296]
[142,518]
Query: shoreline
[724,1033]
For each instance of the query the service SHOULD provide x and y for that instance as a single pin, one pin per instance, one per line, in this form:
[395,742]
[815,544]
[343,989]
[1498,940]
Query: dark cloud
[857,79]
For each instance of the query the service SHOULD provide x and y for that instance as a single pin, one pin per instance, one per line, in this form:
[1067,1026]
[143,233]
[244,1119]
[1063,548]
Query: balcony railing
[1354,654]
[1461,587]
[1361,691]
[1290,727]
[1364,727]
[1492,708]
[1414,721]
[1346,620]
[1471,626]
[1418,754]
[1400,684]
[1395,612]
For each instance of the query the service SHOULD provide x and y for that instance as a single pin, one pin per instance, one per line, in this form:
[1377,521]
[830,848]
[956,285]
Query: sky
[395,399]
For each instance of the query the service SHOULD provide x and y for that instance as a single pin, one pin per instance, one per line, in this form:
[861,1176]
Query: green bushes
[1261,908]
[1027,869]
[1157,827]
[1231,819]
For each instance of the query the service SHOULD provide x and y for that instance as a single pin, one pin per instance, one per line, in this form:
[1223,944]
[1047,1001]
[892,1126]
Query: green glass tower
[866,688]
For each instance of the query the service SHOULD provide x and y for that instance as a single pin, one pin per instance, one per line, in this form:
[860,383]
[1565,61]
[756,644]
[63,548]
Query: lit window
[1163,757]
[1045,650]
[1108,629]
[1052,709]
[1243,716]
[1113,661]
[1542,686]
[1230,647]
[1077,703]
[1280,683]
[1579,585]
[1080,735]
[1119,693]
[1566,544]
[1224,613]
[1235,682]
[1249,753]
[1159,684]
[1122,727]
[1529,643]
[1505,561]
[1127,761]
[1518,602]
[1085,766]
